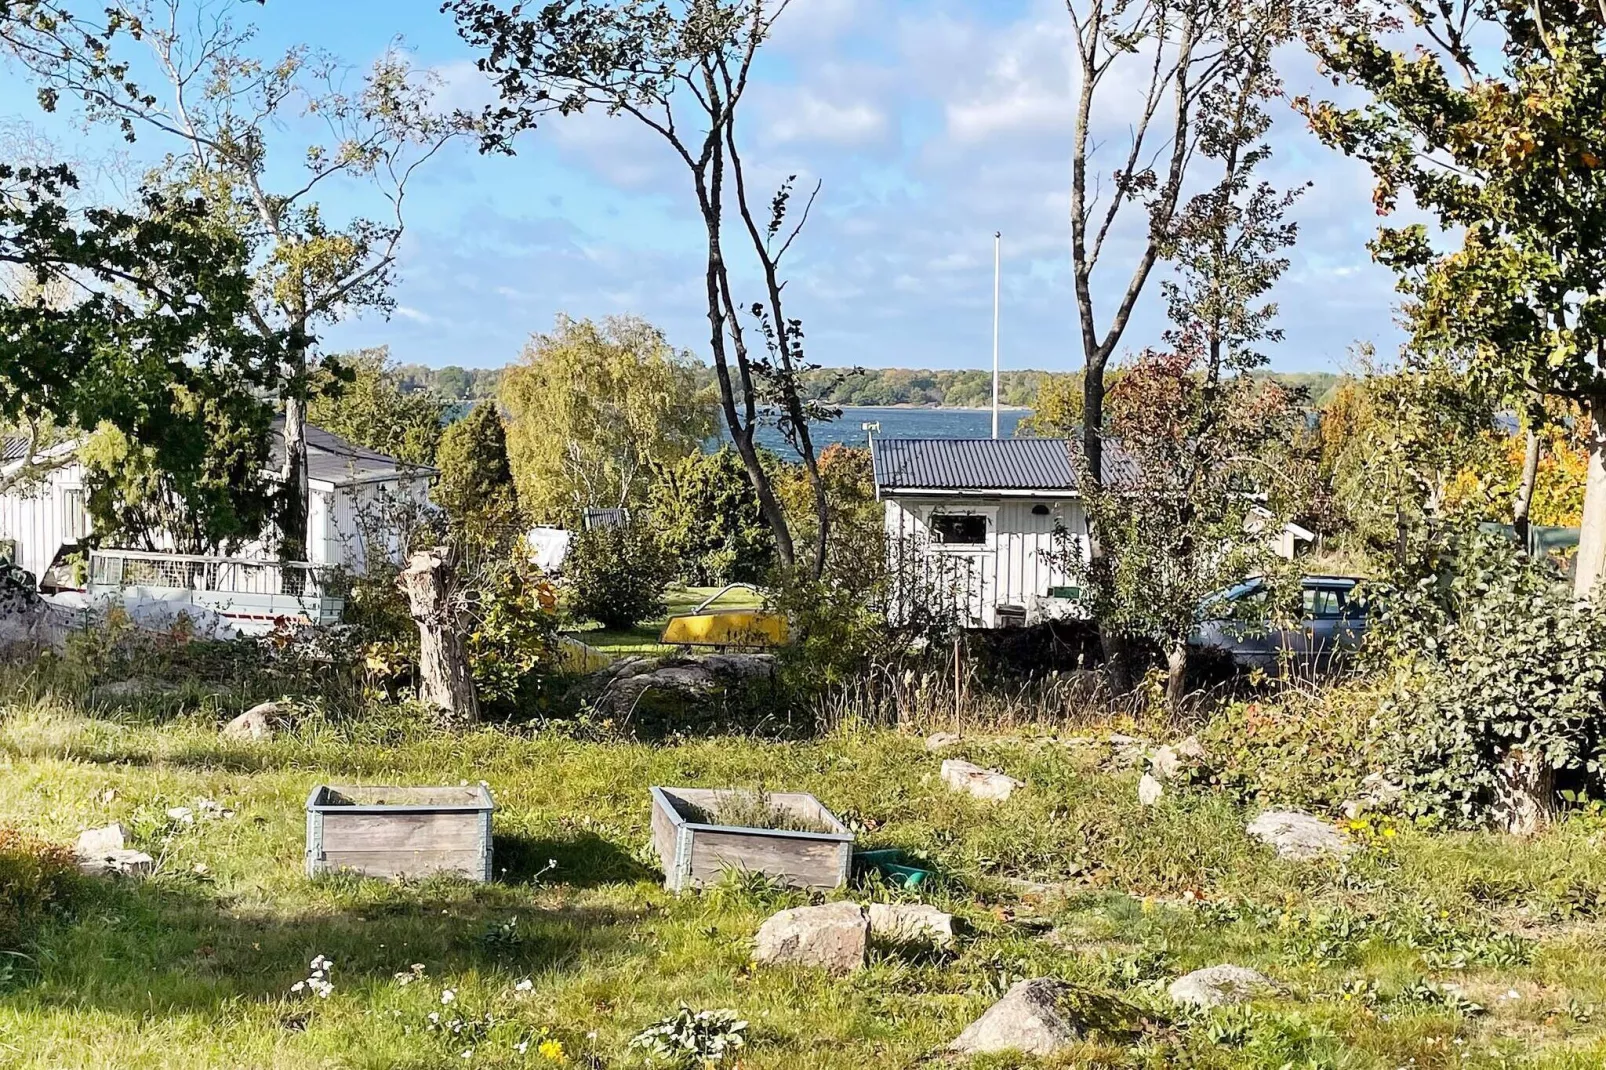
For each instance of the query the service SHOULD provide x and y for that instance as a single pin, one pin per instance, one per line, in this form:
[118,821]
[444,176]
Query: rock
[1149,790]
[1299,836]
[632,685]
[258,722]
[1218,986]
[101,841]
[104,850]
[1030,1018]
[124,862]
[1183,759]
[1126,752]
[941,740]
[182,814]
[1378,793]
[831,937]
[986,784]
[912,923]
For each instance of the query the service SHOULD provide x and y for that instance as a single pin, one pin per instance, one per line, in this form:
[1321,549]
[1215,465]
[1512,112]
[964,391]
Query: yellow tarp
[725,627]
[575,656]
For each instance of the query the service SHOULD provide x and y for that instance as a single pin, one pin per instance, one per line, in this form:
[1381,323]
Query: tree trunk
[1525,794]
[1592,534]
[1525,488]
[1176,680]
[430,583]
[294,487]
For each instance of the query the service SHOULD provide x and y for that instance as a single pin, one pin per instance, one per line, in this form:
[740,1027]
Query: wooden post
[430,583]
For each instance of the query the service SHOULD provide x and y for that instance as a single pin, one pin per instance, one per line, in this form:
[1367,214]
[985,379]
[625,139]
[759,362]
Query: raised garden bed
[393,832]
[699,833]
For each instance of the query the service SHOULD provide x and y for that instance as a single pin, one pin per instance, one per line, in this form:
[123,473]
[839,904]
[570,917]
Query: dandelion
[552,1050]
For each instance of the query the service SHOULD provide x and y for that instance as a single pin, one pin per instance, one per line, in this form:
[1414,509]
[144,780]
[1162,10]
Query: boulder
[1149,790]
[1377,794]
[99,841]
[258,722]
[986,784]
[912,923]
[1030,1018]
[1177,760]
[1299,836]
[831,937]
[1218,986]
[1126,752]
[104,850]
[941,740]
[630,684]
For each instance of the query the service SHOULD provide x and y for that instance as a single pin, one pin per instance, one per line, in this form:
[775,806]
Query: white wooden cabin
[358,498]
[988,525]
[974,522]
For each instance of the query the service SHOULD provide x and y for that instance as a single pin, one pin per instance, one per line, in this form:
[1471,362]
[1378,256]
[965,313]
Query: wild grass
[576,948]
[751,808]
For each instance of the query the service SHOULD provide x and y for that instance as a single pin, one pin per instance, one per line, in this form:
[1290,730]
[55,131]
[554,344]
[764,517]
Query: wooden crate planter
[695,854]
[399,832]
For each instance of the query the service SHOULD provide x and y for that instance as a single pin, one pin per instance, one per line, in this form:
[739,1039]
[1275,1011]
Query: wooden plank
[665,837]
[393,864]
[801,862]
[392,795]
[400,832]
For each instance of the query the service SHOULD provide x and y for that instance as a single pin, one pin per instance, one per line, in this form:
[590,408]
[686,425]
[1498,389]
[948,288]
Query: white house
[975,520]
[989,524]
[358,498]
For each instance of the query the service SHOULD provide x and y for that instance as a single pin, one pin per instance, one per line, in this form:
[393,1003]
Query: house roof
[331,459]
[989,464]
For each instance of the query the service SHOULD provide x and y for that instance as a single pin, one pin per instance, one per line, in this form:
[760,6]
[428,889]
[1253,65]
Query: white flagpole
[998,247]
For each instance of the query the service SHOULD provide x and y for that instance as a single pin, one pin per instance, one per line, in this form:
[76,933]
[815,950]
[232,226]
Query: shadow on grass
[169,945]
[580,859]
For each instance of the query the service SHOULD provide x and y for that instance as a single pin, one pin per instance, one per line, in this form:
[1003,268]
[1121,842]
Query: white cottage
[976,520]
[358,499]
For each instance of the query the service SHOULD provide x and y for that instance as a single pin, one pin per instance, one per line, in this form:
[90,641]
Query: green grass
[193,967]
[643,638]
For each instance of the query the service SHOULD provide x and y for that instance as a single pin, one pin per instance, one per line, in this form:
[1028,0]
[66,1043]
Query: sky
[930,124]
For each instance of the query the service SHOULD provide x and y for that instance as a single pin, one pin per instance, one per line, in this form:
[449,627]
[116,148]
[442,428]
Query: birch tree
[225,117]
[681,70]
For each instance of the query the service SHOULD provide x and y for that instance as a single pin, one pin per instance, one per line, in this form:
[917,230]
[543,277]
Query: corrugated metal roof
[983,464]
[331,459]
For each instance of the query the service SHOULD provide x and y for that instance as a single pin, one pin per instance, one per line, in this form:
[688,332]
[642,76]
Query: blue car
[1240,624]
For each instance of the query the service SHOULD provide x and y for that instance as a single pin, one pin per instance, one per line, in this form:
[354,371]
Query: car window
[1323,603]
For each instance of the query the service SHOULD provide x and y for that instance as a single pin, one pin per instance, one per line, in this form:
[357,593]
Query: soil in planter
[750,808]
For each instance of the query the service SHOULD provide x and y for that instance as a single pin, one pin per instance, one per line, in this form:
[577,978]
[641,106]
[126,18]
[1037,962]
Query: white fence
[244,590]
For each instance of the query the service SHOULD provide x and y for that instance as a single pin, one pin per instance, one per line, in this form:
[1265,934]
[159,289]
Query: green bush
[616,576]
[1491,658]
[707,515]
[514,627]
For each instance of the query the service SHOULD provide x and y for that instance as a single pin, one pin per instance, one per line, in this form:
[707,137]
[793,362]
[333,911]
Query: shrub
[514,627]
[35,876]
[616,575]
[709,520]
[1499,686]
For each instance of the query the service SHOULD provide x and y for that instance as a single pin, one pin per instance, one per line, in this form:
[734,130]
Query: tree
[219,114]
[1197,427]
[708,519]
[591,407]
[360,397]
[1171,57]
[1493,119]
[475,479]
[681,71]
[216,503]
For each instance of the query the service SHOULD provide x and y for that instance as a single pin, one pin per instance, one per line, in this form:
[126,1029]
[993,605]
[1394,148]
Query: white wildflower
[524,985]
[448,996]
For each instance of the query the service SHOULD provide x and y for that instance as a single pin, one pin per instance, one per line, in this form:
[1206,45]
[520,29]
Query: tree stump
[1525,794]
[430,583]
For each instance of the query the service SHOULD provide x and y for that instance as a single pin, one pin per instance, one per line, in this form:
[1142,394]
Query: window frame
[989,520]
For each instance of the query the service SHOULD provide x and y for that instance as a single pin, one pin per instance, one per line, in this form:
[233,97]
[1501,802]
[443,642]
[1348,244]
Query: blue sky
[931,123]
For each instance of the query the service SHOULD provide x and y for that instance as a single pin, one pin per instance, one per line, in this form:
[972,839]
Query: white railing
[233,586]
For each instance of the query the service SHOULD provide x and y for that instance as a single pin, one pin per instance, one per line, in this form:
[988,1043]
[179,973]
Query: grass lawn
[643,638]
[194,967]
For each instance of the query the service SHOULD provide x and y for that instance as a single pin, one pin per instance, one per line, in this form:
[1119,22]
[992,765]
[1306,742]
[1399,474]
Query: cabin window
[74,518]
[959,530]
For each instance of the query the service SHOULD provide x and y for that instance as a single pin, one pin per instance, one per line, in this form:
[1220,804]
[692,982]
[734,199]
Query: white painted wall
[43,516]
[1010,568]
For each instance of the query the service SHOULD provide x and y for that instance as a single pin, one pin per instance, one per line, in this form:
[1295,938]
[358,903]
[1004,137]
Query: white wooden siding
[36,518]
[1014,565]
